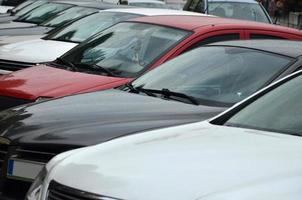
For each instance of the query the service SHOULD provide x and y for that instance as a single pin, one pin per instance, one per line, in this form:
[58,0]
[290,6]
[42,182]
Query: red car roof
[193,22]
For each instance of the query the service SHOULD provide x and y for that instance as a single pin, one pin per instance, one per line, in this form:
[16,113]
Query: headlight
[35,189]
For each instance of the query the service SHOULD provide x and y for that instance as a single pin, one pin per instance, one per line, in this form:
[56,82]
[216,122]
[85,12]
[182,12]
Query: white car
[49,48]
[250,152]
[4,9]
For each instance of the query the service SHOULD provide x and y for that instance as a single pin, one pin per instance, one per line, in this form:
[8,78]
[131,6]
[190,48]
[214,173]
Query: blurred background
[284,12]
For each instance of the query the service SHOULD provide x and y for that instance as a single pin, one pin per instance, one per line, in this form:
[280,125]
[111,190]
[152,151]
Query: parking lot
[150,99]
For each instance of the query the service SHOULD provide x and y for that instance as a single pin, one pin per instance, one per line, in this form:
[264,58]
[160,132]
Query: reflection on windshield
[68,15]
[126,48]
[84,28]
[277,111]
[217,76]
[29,8]
[245,11]
[148,5]
[43,13]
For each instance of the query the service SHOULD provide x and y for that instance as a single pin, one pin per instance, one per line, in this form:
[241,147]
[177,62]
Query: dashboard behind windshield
[126,49]
[217,76]
[237,10]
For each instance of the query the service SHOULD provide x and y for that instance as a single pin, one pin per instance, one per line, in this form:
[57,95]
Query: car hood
[46,81]
[34,51]
[91,118]
[6,18]
[194,161]
[13,39]
[35,30]
[4,9]
[13,24]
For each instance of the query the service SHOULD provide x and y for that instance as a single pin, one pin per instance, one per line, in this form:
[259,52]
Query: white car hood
[13,24]
[35,51]
[4,9]
[20,38]
[196,161]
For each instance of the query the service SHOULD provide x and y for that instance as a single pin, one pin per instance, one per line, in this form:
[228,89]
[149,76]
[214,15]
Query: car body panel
[4,9]
[23,51]
[189,159]
[14,24]
[105,117]
[74,81]
[13,39]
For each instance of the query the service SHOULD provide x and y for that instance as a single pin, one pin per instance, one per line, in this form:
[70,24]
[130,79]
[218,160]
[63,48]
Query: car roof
[154,11]
[239,1]
[194,22]
[285,47]
[90,3]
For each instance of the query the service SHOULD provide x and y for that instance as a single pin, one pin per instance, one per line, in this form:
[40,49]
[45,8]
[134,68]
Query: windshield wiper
[69,65]
[138,90]
[96,67]
[168,94]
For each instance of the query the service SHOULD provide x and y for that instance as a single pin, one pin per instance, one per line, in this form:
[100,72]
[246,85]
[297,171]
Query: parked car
[253,151]
[40,22]
[193,87]
[5,5]
[239,9]
[55,25]
[145,3]
[17,12]
[62,39]
[112,58]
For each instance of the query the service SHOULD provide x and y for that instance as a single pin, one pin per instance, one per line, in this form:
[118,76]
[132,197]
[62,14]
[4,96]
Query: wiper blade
[168,94]
[69,65]
[96,67]
[138,90]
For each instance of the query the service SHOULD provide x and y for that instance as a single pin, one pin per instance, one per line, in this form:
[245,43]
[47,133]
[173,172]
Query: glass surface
[30,7]
[43,13]
[245,11]
[216,76]
[22,5]
[84,28]
[278,111]
[148,5]
[126,49]
[68,15]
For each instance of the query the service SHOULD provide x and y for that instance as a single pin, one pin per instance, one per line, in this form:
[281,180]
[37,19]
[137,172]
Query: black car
[50,15]
[192,87]
[11,2]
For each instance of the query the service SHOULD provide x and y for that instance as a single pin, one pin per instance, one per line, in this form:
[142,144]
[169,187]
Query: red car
[125,51]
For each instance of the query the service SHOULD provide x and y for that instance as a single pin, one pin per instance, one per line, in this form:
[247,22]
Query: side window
[216,38]
[263,36]
[194,5]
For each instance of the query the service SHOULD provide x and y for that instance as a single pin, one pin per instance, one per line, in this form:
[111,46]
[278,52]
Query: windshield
[68,15]
[278,111]
[216,76]
[84,28]
[148,5]
[29,8]
[43,13]
[245,11]
[126,49]
[22,5]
